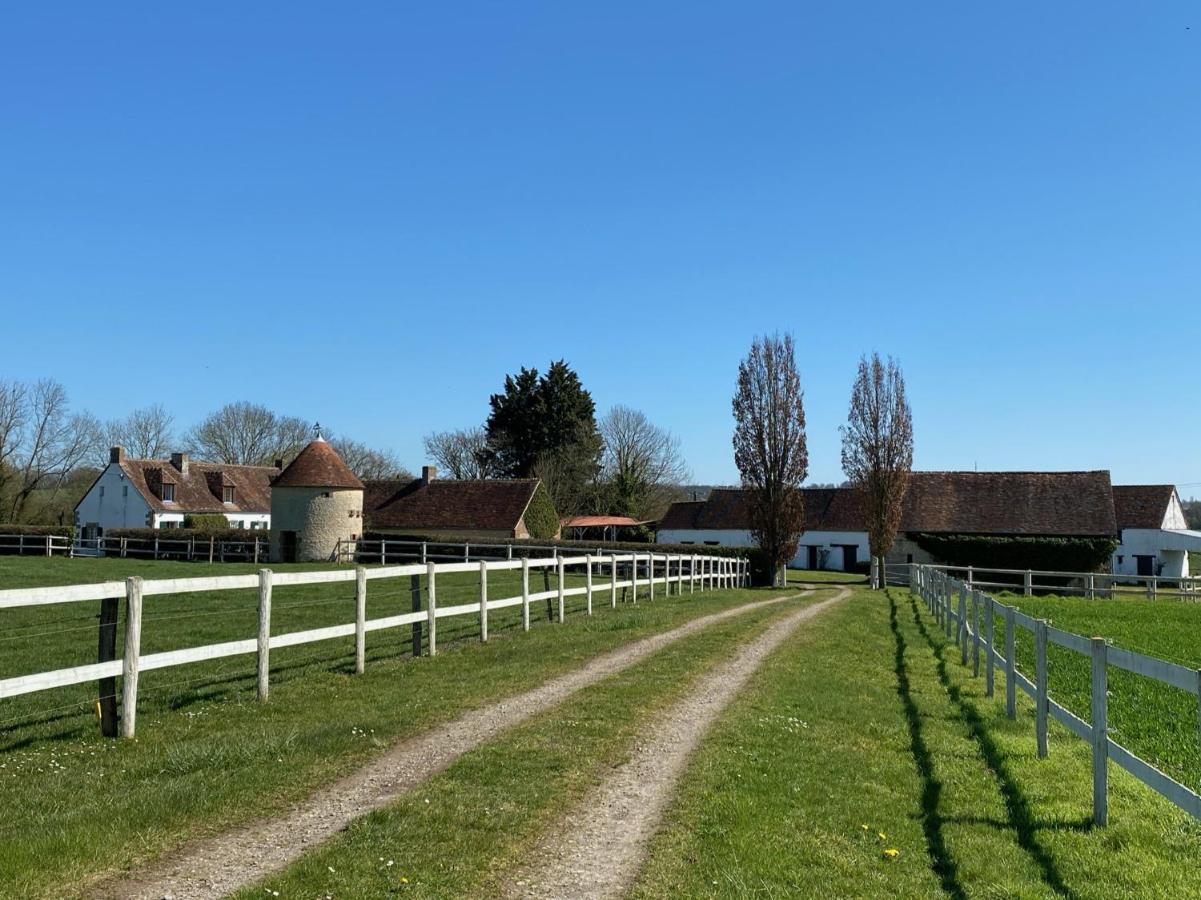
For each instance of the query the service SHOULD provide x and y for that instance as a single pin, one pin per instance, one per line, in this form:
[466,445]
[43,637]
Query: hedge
[760,570]
[1054,554]
[205,522]
[183,534]
[64,531]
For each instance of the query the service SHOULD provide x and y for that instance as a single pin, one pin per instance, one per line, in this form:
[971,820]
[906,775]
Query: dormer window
[168,493]
[227,493]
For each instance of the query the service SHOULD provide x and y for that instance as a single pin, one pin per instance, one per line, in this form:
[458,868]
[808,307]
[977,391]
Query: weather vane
[317,430]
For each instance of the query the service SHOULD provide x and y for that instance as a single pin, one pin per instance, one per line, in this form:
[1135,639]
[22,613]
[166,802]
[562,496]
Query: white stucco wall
[1175,518]
[1169,547]
[825,541]
[112,502]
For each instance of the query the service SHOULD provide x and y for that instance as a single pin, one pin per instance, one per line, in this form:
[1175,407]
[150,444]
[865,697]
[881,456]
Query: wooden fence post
[107,652]
[634,578]
[129,663]
[613,580]
[264,635]
[525,593]
[650,576]
[383,552]
[991,658]
[423,549]
[415,605]
[1011,699]
[431,608]
[588,583]
[692,575]
[483,601]
[1100,733]
[946,599]
[1040,685]
[976,603]
[1092,586]
[360,620]
[562,577]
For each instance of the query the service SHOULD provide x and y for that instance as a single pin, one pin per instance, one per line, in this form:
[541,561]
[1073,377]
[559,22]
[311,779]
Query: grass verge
[860,736]
[467,830]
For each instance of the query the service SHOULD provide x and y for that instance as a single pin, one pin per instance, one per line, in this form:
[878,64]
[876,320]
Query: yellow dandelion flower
[892,853]
[882,835]
[864,827]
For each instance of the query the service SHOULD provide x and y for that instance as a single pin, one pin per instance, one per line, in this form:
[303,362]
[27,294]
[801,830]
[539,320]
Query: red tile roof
[318,466]
[416,505]
[1142,505]
[199,491]
[1010,503]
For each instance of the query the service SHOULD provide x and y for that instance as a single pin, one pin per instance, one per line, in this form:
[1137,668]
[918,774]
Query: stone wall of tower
[321,517]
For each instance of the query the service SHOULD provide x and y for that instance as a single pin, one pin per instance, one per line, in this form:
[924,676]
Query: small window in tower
[168,493]
[328,494]
[228,493]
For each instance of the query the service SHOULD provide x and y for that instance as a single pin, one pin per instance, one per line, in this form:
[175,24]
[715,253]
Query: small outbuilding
[316,502]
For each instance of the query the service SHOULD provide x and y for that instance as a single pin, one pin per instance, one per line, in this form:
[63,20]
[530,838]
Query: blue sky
[368,213]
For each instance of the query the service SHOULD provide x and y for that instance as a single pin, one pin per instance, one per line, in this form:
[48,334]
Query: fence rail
[1089,584]
[35,545]
[948,600]
[673,572]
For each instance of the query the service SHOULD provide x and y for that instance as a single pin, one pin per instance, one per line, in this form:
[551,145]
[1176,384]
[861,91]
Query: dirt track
[217,866]
[597,850]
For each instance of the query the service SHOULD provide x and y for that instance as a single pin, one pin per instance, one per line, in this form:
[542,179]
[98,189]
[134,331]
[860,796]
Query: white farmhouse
[1154,533]
[160,493]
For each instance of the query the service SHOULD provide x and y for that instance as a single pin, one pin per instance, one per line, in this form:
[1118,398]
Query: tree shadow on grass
[1020,817]
[932,820]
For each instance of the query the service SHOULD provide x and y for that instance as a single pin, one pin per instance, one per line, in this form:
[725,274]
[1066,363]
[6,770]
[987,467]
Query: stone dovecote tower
[315,503]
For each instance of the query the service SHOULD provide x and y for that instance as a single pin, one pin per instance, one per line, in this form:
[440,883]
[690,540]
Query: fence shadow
[932,819]
[1020,818]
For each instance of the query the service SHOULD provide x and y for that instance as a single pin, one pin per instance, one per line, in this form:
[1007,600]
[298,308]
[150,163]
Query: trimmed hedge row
[65,531]
[760,570]
[1054,554]
[183,534]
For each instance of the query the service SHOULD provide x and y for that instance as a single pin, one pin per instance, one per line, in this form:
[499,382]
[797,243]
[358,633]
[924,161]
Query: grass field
[207,755]
[1154,720]
[861,736]
[821,576]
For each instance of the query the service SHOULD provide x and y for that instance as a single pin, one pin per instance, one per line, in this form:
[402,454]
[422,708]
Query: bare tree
[641,467]
[769,445]
[877,450]
[41,442]
[369,464]
[145,433]
[461,454]
[248,434]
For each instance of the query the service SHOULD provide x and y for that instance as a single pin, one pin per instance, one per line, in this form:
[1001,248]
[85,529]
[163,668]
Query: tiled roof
[200,490]
[492,505]
[1142,505]
[318,466]
[1010,503]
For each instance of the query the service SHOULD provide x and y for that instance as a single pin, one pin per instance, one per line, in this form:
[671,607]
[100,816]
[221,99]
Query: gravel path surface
[217,866]
[598,849]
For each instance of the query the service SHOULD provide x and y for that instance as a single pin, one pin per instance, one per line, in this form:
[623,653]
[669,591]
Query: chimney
[428,474]
[116,455]
[180,461]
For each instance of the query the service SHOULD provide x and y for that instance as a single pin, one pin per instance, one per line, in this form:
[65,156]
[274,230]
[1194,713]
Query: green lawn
[470,829]
[821,576]
[1156,721]
[207,755]
[863,735]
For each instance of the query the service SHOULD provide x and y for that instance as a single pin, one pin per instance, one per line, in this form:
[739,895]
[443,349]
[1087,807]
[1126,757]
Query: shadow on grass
[932,820]
[1020,818]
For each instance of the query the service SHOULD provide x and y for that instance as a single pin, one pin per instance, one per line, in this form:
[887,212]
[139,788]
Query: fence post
[383,552]
[613,580]
[588,583]
[562,575]
[264,636]
[1028,584]
[1011,699]
[947,617]
[1100,733]
[976,603]
[20,545]
[431,608]
[650,576]
[991,659]
[634,577]
[360,619]
[129,663]
[692,575]
[423,546]
[970,577]
[107,652]
[875,572]
[962,630]
[483,601]
[49,545]
[1040,685]
[525,593]
[415,605]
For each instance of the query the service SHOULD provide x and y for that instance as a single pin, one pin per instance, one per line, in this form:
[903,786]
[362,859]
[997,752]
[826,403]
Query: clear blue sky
[368,213]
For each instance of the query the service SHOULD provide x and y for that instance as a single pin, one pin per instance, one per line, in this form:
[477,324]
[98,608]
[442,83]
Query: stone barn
[315,503]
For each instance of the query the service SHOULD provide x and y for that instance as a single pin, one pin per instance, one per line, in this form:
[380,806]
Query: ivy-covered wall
[1056,554]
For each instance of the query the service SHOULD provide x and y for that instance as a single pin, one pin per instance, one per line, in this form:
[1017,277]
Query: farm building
[316,503]
[160,493]
[483,509]
[1154,534]
[938,504]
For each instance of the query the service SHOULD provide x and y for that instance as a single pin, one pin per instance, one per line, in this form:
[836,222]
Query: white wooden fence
[1088,584]
[673,572]
[35,545]
[969,615]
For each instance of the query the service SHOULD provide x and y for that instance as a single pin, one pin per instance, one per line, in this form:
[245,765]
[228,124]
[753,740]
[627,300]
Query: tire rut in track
[217,866]
[597,849]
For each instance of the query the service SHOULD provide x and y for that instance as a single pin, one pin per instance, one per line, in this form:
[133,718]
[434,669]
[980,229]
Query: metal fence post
[1100,733]
[129,662]
[1011,699]
[1040,685]
[264,636]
